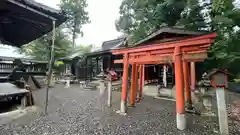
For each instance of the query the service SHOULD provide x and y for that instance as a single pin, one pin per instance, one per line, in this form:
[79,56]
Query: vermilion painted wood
[159,62]
[201,40]
[187,50]
[163,46]
[179,81]
[193,75]
[171,50]
[133,84]
[125,77]
[141,68]
[143,79]
[161,58]
[186,81]
[169,54]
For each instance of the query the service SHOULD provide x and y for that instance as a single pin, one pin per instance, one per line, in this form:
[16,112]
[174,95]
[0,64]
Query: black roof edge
[181,38]
[96,53]
[120,38]
[169,30]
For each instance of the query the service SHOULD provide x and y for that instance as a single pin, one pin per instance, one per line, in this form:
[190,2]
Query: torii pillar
[133,85]
[123,105]
[180,107]
[193,75]
[186,84]
[141,83]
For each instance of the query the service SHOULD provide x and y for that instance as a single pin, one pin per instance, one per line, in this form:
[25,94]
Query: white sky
[102,14]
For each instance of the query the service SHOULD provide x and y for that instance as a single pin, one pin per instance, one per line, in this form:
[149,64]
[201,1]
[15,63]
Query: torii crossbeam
[179,52]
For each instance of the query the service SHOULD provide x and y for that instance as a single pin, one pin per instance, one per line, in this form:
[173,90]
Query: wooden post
[181,120]
[186,85]
[49,77]
[193,76]
[133,85]
[124,85]
[141,68]
[222,111]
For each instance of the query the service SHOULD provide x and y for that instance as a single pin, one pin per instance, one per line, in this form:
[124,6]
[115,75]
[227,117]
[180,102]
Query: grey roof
[4,59]
[105,50]
[114,44]
[171,30]
[98,53]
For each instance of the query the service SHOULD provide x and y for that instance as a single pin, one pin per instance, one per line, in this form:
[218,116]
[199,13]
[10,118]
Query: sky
[102,14]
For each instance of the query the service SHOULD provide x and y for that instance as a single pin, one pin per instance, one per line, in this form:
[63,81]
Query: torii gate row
[179,52]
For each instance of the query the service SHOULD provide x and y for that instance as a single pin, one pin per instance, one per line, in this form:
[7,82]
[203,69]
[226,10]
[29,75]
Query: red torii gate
[179,52]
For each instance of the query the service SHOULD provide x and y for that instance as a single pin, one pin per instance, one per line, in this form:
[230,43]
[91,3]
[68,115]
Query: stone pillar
[102,87]
[109,91]
[24,102]
[222,111]
[67,85]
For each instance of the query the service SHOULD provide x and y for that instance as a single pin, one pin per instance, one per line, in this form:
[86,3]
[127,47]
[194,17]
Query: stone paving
[75,111]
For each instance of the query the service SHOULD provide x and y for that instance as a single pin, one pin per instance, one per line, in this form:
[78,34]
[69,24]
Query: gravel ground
[74,111]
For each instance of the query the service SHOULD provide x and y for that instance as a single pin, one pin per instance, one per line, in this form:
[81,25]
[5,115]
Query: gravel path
[77,112]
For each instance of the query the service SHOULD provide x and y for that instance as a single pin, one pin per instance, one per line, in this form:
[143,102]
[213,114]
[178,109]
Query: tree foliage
[192,17]
[40,48]
[77,16]
[141,17]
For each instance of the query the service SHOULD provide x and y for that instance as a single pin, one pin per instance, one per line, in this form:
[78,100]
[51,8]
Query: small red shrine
[168,45]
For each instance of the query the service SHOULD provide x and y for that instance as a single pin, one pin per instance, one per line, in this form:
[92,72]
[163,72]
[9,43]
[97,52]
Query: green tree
[139,18]
[77,16]
[225,19]
[142,17]
[192,18]
[40,48]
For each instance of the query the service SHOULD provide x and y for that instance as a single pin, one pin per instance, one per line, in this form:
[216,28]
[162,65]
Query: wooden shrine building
[158,72]
[178,47]
[90,65]
[22,21]
[7,64]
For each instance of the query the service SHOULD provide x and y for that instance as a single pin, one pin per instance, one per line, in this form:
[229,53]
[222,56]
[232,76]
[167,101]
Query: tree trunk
[74,33]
